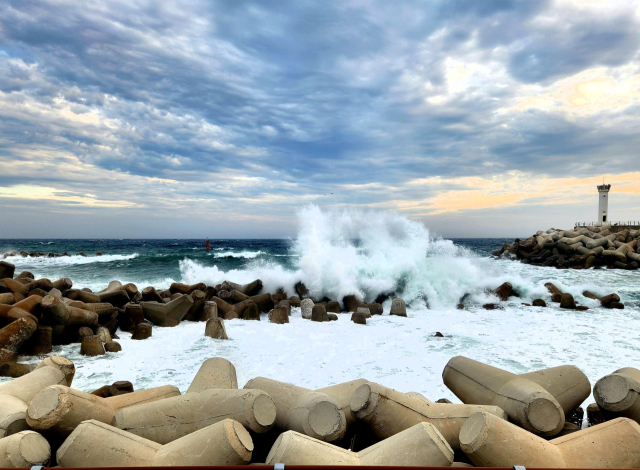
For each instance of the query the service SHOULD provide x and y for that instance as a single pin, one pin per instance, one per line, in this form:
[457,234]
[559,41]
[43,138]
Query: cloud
[258,107]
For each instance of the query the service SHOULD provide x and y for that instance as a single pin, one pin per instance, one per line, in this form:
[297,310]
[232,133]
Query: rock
[319,313]
[112,346]
[306,305]
[539,303]
[142,331]
[438,335]
[92,346]
[567,301]
[215,329]
[504,291]
[332,316]
[359,318]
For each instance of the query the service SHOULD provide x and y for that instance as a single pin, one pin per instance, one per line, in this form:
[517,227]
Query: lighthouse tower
[603,203]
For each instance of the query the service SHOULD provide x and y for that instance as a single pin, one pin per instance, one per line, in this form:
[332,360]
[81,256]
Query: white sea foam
[401,353]
[363,253]
[239,254]
[43,262]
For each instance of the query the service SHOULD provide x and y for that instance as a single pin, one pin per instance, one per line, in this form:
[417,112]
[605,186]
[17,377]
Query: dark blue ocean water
[158,261]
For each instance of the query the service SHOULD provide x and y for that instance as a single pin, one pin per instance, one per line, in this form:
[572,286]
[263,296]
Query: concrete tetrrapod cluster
[505,419]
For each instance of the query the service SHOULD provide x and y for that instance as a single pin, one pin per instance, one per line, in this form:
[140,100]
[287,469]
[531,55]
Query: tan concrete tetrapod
[169,314]
[389,412]
[61,363]
[95,444]
[421,445]
[306,411]
[214,373]
[23,450]
[524,398]
[16,394]
[173,418]
[342,394]
[619,393]
[492,442]
[58,410]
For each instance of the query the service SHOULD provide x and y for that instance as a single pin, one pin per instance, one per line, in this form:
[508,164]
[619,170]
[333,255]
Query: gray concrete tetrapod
[16,395]
[421,445]
[619,393]
[95,444]
[58,410]
[389,412]
[214,373]
[24,449]
[306,307]
[173,418]
[306,411]
[537,401]
[492,442]
[169,314]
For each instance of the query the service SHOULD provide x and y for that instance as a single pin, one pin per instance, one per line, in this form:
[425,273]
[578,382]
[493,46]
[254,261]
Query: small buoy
[207,247]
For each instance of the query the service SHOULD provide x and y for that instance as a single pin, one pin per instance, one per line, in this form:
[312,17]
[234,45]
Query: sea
[340,253]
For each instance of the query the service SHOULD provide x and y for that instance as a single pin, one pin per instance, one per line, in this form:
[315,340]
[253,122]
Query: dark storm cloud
[299,96]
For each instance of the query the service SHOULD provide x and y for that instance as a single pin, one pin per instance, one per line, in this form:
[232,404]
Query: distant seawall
[611,246]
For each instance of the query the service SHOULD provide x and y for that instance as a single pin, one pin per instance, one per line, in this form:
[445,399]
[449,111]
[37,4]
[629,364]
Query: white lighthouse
[603,203]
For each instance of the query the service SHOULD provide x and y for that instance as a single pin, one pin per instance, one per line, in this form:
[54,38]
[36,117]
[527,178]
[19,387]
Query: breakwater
[582,248]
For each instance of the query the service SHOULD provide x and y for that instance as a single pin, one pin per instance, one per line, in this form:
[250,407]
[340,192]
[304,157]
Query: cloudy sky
[221,118]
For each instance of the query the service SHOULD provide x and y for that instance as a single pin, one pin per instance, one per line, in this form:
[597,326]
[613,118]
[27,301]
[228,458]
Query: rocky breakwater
[505,419]
[583,248]
[37,314]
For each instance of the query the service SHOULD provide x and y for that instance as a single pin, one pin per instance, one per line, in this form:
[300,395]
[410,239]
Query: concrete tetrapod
[619,393]
[421,446]
[214,373]
[342,394]
[58,410]
[492,442]
[16,394]
[95,444]
[169,314]
[306,411]
[23,450]
[523,397]
[173,418]
[389,412]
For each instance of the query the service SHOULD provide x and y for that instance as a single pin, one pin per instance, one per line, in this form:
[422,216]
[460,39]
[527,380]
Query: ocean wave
[240,254]
[67,260]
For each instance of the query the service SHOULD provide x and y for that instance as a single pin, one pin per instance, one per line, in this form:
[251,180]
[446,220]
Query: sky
[142,119]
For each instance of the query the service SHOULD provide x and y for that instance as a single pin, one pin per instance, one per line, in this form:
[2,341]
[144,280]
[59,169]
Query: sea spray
[363,253]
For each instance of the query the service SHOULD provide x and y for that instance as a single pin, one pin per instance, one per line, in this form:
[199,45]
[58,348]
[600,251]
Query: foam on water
[44,262]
